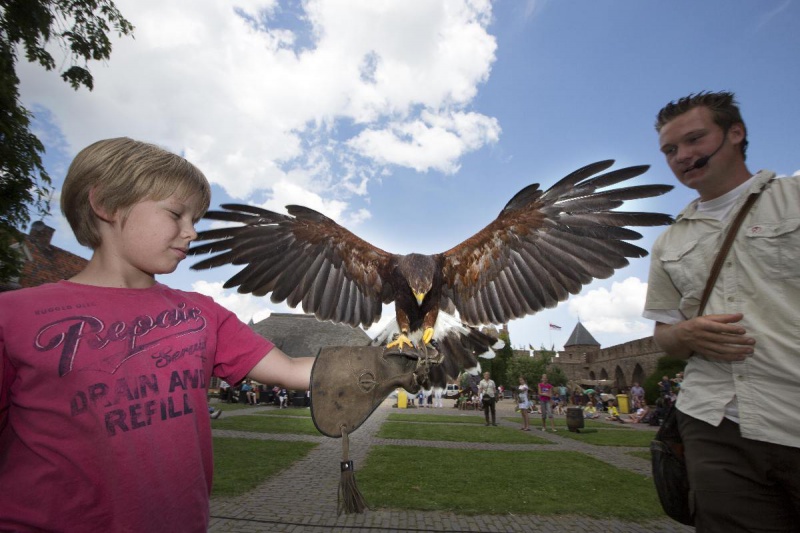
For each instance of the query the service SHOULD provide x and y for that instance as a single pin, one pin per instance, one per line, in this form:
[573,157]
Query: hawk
[542,247]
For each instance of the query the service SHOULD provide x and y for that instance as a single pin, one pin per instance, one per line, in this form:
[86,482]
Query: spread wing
[545,246]
[304,258]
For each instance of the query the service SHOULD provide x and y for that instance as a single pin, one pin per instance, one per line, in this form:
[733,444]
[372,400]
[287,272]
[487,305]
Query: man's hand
[714,336]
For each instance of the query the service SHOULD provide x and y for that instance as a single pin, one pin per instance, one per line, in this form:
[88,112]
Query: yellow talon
[400,341]
[427,336]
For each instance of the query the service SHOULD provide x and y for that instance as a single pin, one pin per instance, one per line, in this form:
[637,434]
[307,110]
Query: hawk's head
[418,270]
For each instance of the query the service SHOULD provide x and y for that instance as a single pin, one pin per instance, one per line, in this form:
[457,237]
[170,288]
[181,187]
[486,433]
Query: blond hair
[119,173]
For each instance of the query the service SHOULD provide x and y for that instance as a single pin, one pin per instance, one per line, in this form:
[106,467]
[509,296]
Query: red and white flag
[553,326]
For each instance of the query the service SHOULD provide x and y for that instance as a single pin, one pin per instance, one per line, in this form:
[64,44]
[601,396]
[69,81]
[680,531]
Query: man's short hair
[121,172]
[723,106]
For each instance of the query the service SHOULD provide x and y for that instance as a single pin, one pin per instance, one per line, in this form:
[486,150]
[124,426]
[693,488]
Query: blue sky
[388,115]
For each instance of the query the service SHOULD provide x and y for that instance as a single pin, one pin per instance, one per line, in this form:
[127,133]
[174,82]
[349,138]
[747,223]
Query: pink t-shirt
[545,391]
[103,405]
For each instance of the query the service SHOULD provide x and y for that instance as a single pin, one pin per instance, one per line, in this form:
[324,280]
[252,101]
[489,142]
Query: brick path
[303,497]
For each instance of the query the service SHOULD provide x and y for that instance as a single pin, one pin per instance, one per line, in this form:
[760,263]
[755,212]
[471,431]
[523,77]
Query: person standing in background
[546,403]
[488,391]
[637,394]
[524,403]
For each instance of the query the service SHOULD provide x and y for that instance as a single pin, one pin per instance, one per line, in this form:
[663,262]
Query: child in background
[613,412]
[590,411]
[104,377]
[524,403]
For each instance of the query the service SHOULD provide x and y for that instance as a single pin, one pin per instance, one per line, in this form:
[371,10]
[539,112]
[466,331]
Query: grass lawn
[458,433]
[235,469]
[231,406]
[438,419]
[266,424]
[543,483]
[527,482]
[612,437]
[298,411]
[536,422]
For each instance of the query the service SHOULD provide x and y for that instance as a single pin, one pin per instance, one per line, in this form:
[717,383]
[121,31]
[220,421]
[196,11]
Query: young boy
[104,421]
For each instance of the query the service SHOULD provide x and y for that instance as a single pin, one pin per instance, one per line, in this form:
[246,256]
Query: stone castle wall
[624,363]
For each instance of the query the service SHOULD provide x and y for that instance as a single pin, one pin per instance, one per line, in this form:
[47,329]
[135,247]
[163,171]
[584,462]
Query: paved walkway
[303,497]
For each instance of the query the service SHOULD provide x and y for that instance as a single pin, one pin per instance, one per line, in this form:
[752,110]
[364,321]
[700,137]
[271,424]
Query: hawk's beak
[419,296]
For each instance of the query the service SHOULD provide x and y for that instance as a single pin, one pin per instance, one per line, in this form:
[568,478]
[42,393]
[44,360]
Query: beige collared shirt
[760,278]
[487,387]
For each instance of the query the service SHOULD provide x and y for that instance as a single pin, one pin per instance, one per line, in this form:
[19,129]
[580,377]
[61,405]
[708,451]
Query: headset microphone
[703,161]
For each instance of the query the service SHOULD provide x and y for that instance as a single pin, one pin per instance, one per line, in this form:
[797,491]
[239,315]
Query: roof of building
[43,262]
[300,335]
[581,337]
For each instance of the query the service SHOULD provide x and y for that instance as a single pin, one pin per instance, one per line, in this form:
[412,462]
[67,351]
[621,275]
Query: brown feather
[546,245]
[304,258]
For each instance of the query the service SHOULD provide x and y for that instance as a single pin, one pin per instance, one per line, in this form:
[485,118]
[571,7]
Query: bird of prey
[542,247]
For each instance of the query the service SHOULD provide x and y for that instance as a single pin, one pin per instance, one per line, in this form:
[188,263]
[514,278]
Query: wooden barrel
[574,419]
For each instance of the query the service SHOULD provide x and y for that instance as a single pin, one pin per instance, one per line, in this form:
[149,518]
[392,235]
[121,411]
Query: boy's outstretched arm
[277,368]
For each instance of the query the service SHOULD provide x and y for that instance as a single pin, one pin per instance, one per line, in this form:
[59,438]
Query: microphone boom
[703,161]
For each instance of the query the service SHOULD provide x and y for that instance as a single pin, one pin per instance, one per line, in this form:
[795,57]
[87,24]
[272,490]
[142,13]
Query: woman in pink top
[545,398]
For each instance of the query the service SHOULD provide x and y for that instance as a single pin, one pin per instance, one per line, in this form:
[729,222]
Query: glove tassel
[350,499]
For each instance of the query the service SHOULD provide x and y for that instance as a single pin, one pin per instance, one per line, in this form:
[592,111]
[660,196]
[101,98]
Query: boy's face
[153,236]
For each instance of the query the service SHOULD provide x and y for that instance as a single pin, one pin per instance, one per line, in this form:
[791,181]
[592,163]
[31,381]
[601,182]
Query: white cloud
[256,98]
[287,193]
[433,142]
[616,311]
[356,218]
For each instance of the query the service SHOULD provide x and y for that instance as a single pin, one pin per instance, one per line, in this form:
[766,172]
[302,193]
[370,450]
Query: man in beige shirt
[739,424]
[488,394]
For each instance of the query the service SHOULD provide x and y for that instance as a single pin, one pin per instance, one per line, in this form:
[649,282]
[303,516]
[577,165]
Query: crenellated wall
[624,363]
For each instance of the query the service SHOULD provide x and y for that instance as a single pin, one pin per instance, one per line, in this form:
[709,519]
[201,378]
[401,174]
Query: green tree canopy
[532,368]
[80,28]
[503,357]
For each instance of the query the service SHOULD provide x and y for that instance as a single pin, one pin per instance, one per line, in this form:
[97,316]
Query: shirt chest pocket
[687,268]
[776,246]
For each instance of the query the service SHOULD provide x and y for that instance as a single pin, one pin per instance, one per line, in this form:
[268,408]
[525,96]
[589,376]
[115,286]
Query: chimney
[41,233]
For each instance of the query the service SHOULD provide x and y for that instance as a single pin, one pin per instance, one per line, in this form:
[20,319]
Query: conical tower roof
[581,337]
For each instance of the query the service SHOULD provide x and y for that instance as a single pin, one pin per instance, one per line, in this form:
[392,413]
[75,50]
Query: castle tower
[581,346]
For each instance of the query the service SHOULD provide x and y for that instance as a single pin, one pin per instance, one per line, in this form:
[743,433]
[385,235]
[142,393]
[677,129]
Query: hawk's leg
[402,340]
[427,336]
[399,341]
